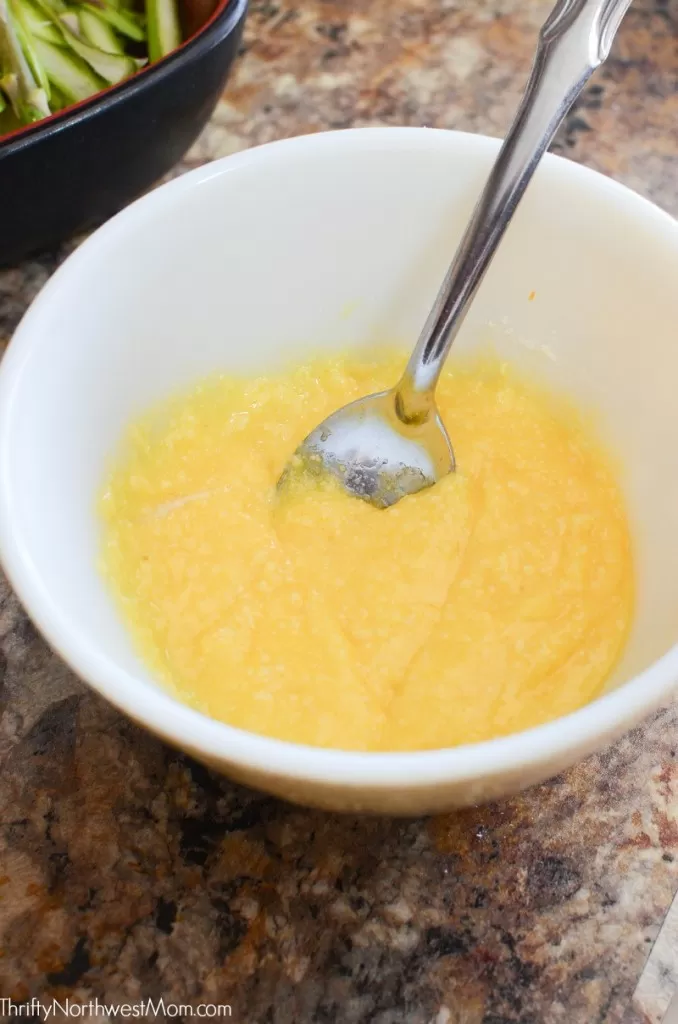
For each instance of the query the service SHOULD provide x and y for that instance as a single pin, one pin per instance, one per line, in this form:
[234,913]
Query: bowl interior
[324,243]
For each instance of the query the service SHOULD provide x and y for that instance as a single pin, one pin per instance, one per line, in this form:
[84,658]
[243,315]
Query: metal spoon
[394,443]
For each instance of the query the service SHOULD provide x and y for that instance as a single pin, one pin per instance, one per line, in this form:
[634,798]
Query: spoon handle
[573,42]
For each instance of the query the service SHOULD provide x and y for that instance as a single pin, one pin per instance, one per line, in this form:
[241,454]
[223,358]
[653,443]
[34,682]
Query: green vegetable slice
[36,23]
[25,38]
[98,32]
[124,22]
[28,100]
[10,87]
[72,76]
[57,100]
[112,67]
[70,20]
[164,30]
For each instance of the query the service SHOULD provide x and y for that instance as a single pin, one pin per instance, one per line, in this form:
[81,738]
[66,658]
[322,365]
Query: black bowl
[69,172]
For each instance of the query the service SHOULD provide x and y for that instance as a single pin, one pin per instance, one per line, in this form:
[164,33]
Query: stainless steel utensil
[394,443]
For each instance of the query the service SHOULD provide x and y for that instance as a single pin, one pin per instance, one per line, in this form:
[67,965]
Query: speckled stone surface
[129,872]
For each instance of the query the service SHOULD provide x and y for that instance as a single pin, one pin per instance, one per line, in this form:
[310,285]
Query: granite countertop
[129,872]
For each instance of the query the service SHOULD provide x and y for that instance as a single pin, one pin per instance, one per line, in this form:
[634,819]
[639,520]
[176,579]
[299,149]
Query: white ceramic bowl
[336,240]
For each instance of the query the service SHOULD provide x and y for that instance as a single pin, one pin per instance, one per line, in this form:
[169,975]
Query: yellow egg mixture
[496,600]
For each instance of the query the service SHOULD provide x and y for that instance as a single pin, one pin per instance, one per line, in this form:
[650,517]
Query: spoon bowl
[373,452]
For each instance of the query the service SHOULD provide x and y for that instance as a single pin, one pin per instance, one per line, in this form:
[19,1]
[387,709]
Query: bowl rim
[182,726]
[225,16]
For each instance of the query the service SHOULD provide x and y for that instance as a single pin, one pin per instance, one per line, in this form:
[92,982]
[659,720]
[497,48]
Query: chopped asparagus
[30,100]
[125,22]
[24,37]
[71,75]
[112,67]
[10,87]
[57,52]
[70,20]
[164,31]
[36,23]
[57,100]
[99,32]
